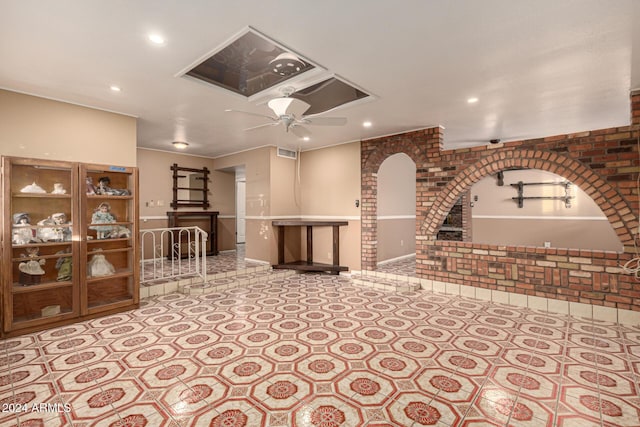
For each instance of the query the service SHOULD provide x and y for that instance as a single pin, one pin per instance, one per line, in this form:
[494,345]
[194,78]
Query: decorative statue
[118,232]
[105,189]
[22,231]
[64,267]
[58,189]
[99,266]
[33,188]
[91,189]
[55,233]
[102,215]
[31,271]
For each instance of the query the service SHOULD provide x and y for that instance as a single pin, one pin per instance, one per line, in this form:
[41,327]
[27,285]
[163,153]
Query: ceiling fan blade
[326,121]
[262,126]
[273,119]
[298,107]
[299,131]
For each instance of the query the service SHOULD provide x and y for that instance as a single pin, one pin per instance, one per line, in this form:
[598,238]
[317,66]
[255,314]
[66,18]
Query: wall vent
[289,154]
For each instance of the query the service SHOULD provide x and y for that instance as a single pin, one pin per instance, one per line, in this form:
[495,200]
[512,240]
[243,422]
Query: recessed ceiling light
[367,124]
[306,138]
[472,100]
[180,145]
[115,88]
[156,39]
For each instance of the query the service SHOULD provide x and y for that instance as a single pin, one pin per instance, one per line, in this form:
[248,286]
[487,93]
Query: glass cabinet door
[40,277]
[109,235]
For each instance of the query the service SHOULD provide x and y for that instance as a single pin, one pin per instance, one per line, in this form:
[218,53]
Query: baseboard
[400,258]
[259,261]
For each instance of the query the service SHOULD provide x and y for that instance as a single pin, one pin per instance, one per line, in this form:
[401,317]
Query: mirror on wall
[190,187]
[531,207]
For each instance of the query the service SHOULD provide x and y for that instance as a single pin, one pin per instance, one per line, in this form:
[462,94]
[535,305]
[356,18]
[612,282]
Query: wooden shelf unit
[23,303]
[309,264]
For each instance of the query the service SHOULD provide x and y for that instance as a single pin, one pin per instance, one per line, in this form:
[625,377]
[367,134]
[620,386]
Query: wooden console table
[177,218]
[309,265]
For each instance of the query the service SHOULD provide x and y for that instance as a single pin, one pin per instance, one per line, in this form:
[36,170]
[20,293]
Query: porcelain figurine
[33,188]
[58,189]
[105,189]
[64,267]
[91,189]
[99,266]
[22,232]
[102,215]
[32,267]
[54,233]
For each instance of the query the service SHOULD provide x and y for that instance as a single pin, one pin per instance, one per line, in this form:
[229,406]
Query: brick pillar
[369,221]
[635,107]
[466,216]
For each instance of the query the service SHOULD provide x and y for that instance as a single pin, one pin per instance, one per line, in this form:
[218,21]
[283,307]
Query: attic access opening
[245,65]
[252,65]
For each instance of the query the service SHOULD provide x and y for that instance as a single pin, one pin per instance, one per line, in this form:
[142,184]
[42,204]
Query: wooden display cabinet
[45,277]
[35,301]
[118,290]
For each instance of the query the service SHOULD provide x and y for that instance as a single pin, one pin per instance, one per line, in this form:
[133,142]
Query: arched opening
[396,215]
[531,207]
[614,206]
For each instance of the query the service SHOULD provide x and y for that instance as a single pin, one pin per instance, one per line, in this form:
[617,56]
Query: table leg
[309,245]
[280,245]
[336,246]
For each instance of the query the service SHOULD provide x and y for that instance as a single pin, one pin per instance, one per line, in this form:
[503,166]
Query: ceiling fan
[289,112]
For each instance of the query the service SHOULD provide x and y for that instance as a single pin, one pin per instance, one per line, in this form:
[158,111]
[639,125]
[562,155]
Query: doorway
[241,207]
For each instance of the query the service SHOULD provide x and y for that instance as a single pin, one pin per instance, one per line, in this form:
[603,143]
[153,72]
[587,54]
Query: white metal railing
[172,253]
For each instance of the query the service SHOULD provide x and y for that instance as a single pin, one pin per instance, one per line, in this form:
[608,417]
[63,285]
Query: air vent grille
[289,154]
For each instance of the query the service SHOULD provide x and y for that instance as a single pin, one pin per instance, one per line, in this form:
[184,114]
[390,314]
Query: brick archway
[418,145]
[604,163]
[614,206]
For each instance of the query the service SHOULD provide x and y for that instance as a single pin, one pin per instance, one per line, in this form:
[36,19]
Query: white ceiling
[539,68]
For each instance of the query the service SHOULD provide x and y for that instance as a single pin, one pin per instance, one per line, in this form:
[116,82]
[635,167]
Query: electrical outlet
[547,244]
[151,204]
[160,203]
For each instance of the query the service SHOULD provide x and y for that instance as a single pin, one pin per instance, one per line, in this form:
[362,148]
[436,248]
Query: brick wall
[603,163]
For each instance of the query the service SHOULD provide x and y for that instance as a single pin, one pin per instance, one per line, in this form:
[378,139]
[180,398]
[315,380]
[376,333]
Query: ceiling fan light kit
[286,64]
[272,64]
[280,105]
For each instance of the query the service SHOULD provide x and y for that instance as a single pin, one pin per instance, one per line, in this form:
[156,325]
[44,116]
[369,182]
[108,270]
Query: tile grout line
[562,368]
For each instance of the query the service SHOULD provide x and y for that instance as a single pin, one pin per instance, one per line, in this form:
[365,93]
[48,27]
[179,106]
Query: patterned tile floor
[406,267]
[166,270]
[316,350]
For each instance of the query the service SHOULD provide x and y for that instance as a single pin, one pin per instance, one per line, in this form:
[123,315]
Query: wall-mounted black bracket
[521,197]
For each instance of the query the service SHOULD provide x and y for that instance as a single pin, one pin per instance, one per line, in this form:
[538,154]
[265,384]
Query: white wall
[497,219]
[396,207]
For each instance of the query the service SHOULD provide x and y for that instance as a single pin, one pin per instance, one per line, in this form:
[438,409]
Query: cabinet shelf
[109,251]
[111,304]
[40,196]
[119,239]
[53,256]
[22,289]
[108,197]
[35,320]
[118,274]
[105,224]
[42,245]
